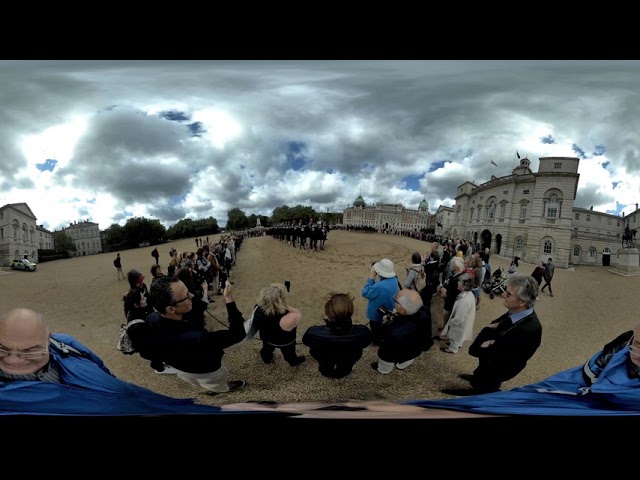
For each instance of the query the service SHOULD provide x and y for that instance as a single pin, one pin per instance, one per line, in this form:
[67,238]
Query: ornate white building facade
[387,216]
[86,236]
[532,216]
[18,237]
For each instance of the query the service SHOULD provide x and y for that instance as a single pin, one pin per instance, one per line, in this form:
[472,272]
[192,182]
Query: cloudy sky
[108,140]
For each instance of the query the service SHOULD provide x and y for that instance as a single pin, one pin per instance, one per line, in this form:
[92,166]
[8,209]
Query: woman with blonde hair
[277,322]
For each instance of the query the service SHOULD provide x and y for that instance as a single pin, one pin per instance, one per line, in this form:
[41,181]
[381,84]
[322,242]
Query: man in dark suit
[505,346]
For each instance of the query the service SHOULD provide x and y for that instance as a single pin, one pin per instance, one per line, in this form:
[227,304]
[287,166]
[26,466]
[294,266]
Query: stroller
[495,285]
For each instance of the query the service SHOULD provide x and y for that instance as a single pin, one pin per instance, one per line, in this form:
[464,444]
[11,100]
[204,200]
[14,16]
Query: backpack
[125,344]
[420,280]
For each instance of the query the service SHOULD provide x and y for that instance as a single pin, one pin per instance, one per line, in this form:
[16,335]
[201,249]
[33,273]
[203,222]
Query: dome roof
[424,204]
[359,201]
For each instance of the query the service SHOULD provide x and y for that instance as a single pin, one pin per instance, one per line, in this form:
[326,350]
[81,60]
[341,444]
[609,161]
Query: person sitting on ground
[54,374]
[277,322]
[194,352]
[338,344]
[405,335]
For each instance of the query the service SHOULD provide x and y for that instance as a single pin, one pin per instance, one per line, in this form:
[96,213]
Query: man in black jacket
[405,334]
[505,346]
[194,352]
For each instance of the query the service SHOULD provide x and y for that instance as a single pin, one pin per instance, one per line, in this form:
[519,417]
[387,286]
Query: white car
[23,264]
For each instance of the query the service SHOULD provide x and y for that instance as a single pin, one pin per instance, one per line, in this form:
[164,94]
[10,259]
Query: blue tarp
[615,393]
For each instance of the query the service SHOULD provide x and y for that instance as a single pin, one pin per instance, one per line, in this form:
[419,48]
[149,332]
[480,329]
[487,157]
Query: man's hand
[227,292]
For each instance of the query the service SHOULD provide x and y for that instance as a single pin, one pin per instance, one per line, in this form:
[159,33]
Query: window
[552,206]
[1,232]
[518,244]
[608,221]
[592,252]
[557,165]
[525,191]
[577,216]
[503,209]
[523,212]
[618,223]
[598,219]
[479,209]
[505,192]
[547,247]
[491,211]
[576,251]
[588,217]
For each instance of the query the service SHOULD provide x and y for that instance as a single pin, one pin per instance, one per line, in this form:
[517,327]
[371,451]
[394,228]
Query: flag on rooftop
[494,163]
[517,154]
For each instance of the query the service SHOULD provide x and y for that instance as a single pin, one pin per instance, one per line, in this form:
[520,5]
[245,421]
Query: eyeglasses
[24,355]
[188,297]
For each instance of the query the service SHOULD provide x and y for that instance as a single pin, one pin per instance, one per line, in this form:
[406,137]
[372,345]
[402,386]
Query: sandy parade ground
[82,297]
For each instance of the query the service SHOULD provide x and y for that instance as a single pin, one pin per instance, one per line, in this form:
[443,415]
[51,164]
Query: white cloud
[311,132]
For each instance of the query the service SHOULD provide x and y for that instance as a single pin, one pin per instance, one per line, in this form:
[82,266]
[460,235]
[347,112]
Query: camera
[385,312]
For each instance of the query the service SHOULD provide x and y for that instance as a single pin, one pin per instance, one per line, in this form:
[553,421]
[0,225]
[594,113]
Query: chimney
[636,206]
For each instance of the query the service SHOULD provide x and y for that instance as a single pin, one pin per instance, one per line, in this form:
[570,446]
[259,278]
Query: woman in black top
[338,344]
[277,323]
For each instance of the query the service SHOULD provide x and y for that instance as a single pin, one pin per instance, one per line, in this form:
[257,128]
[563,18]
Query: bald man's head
[410,300]
[24,341]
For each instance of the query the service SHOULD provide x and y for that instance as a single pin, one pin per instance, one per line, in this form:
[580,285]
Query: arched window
[519,243]
[16,226]
[606,250]
[547,247]
[576,250]
[24,233]
[592,252]
[552,207]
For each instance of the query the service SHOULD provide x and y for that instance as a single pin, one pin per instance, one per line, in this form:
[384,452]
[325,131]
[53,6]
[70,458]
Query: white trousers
[214,381]
[387,367]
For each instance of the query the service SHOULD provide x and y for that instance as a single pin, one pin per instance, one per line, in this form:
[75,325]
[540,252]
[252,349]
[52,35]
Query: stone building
[18,237]
[86,236]
[390,217]
[532,216]
[45,238]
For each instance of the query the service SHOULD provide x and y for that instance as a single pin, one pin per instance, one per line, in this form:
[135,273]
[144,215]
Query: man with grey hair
[405,334]
[504,347]
[449,290]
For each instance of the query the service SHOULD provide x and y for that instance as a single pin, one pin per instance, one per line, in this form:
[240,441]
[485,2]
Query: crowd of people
[399,317]
[175,340]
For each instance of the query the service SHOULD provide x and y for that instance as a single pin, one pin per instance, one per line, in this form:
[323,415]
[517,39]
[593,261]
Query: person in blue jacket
[53,374]
[380,293]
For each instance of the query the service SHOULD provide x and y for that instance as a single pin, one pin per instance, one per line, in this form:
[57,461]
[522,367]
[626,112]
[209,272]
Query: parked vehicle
[23,264]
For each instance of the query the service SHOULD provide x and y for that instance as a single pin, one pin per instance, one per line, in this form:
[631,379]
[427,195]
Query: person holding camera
[406,332]
[195,353]
[380,294]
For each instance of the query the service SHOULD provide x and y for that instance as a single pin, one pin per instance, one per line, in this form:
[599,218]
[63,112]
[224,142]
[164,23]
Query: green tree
[237,220]
[63,244]
[114,236]
[139,230]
